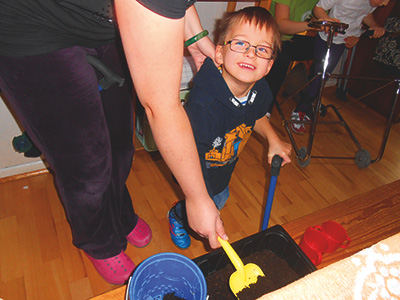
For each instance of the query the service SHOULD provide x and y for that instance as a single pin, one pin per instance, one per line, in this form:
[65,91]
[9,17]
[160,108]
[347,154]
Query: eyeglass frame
[248,48]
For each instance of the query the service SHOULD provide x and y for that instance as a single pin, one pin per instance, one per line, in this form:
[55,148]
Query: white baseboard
[20,169]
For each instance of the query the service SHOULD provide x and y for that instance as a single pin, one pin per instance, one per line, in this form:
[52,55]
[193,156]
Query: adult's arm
[202,48]
[153,46]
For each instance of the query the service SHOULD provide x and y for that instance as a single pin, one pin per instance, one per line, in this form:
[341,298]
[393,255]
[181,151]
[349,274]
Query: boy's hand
[282,149]
[205,220]
[351,41]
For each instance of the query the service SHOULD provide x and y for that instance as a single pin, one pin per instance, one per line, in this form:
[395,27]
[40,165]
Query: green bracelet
[196,38]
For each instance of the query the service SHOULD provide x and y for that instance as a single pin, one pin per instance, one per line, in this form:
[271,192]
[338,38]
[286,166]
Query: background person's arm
[369,20]
[321,14]
[287,26]
[154,49]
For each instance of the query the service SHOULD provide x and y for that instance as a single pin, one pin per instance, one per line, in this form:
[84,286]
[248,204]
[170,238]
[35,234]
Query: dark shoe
[177,230]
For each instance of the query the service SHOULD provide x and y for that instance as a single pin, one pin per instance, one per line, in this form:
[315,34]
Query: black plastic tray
[274,239]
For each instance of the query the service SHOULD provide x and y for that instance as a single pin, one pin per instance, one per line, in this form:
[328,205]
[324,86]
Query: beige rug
[373,273]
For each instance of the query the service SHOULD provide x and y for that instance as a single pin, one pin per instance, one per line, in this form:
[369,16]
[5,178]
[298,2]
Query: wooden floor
[38,261]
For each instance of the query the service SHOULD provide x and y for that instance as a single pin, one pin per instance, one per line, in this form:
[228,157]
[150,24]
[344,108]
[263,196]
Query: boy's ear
[271,62]
[218,55]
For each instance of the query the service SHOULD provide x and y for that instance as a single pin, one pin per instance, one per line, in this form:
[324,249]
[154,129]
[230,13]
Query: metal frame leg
[362,157]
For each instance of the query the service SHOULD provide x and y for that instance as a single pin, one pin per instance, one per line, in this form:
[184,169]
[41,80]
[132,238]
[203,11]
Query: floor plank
[38,261]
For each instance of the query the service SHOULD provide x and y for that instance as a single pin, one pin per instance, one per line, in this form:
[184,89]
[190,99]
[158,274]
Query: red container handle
[318,227]
[345,245]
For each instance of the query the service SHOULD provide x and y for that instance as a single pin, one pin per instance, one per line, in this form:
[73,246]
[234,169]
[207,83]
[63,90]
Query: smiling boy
[227,103]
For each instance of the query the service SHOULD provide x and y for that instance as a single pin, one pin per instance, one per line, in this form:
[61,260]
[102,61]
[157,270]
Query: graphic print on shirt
[233,145]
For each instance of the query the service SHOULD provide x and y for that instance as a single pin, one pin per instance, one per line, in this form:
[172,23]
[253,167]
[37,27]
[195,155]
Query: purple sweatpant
[85,135]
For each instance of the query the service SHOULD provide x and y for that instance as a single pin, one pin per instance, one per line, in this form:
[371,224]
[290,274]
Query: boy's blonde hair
[252,14]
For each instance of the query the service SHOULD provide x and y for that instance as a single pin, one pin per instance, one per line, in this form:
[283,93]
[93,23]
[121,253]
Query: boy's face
[244,68]
[376,3]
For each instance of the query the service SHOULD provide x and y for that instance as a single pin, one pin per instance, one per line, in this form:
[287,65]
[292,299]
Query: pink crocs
[116,269]
[140,236]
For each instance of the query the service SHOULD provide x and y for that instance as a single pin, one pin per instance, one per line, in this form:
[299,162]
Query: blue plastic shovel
[275,168]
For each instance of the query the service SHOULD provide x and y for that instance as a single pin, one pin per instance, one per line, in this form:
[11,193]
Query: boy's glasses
[261,51]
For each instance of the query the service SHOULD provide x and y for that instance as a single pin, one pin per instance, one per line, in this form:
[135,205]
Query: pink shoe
[116,269]
[141,235]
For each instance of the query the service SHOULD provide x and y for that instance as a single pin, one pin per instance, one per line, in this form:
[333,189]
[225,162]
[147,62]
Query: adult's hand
[204,218]
[201,49]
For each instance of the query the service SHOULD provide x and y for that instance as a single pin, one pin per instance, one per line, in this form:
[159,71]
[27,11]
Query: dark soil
[171,296]
[276,270]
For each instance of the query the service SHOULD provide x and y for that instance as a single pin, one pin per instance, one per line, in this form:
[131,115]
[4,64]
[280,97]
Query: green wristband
[196,38]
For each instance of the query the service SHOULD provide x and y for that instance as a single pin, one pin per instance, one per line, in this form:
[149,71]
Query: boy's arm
[276,146]
[369,20]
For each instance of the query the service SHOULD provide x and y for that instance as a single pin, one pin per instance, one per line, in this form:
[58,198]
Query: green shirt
[300,10]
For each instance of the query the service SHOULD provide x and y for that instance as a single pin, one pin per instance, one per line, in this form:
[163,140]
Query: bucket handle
[127,289]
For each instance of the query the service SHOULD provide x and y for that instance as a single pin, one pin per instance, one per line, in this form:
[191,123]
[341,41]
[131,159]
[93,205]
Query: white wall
[11,162]
[210,11]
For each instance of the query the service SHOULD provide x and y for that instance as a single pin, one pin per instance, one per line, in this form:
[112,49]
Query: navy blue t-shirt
[221,124]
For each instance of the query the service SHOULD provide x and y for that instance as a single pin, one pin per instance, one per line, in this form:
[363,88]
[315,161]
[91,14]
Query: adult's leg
[118,109]
[57,99]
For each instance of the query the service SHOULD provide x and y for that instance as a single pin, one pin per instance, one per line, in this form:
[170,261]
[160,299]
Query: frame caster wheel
[302,153]
[363,159]
[322,110]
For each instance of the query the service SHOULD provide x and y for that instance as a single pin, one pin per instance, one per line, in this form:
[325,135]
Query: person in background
[86,133]
[225,105]
[355,13]
[292,17]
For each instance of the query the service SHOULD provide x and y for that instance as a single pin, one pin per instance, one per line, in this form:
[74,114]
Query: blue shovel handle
[275,168]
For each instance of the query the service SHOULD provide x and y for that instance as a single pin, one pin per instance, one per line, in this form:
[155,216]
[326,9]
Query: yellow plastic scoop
[244,274]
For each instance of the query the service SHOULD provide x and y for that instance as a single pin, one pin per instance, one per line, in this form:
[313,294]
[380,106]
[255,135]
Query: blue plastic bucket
[166,273]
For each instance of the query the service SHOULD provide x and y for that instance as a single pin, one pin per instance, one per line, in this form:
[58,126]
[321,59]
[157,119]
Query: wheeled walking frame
[362,157]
